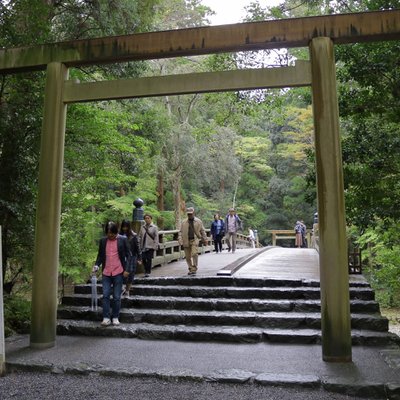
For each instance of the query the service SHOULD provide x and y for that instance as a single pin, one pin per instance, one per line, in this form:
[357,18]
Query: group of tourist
[227,228]
[121,250]
[192,231]
[119,253]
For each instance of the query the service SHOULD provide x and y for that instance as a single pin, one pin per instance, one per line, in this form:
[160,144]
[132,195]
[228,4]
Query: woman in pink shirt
[113,256]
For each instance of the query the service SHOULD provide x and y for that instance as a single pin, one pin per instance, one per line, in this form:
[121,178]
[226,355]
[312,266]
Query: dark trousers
[218,243]
[147,259]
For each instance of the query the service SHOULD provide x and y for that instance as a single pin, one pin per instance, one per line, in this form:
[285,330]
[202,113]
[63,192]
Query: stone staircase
[224,309]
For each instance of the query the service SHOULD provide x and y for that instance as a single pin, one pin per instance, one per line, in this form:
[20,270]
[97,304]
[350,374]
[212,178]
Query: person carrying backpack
[232,225]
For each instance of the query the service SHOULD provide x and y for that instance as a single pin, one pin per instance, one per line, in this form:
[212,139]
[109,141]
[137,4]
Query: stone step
[214,333]
[189,303]
[235,281]
[217,281]
[282,320]
[359,293]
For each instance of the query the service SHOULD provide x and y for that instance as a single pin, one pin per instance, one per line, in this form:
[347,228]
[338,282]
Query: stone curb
[390,390]
[231,268]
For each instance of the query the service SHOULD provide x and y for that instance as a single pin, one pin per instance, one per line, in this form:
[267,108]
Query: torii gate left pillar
[46,258]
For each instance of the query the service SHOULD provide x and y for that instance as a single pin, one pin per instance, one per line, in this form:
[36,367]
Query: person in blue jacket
[218,232]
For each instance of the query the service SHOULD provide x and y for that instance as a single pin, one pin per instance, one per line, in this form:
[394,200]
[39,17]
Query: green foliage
[87,19]
[176,14]
[17,29]
[20,121]
[372,167]
[103,147]
[16,315]
[101,154]
[205,208]
[382,260]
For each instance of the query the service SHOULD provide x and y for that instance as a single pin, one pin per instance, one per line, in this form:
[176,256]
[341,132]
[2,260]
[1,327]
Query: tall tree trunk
[160,198]
[222,186]
[176,192]
[160,191]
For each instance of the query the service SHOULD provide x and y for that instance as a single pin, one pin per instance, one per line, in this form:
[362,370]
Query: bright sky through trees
[232,11]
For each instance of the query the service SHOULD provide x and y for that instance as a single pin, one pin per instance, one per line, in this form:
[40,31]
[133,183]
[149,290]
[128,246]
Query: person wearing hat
[192,230]
[232,225]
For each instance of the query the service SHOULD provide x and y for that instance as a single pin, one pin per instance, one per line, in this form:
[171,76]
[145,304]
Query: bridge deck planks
[278,262]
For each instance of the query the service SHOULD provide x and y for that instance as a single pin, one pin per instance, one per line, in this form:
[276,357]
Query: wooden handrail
[278,234]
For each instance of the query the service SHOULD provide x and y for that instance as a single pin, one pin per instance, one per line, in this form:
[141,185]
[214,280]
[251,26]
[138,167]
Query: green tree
[21,115]
[20,122]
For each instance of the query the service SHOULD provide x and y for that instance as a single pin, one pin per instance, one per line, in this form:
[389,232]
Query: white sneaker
[115,321]
[106,322]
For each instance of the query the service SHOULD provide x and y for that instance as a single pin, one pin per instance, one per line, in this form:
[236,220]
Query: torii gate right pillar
[335,302]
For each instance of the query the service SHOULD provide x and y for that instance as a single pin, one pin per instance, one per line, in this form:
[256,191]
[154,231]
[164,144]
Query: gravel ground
[32,386]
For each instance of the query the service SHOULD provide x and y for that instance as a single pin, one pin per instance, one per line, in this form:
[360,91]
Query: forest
[250,149]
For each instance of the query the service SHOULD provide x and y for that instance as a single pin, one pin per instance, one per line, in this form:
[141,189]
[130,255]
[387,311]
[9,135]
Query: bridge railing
[171,250]
[281,234]
[353,251]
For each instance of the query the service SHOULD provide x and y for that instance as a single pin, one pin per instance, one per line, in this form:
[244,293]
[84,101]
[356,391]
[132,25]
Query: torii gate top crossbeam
[296,32]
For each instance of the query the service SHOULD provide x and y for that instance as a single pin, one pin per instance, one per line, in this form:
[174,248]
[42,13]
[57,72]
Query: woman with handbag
[148,240]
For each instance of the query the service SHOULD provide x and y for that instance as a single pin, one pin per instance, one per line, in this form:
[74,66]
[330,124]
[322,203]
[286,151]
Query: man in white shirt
[252,238]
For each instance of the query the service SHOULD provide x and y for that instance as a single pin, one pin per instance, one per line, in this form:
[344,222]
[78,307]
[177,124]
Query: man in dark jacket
[113,256]
[218,232]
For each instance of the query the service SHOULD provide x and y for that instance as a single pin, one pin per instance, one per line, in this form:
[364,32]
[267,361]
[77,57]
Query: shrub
[17,313]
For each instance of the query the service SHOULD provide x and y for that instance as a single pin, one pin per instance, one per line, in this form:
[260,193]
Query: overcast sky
[232,11]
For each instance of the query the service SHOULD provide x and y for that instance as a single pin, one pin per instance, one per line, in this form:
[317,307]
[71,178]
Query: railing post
[46,257]
[161,246]
[335,303]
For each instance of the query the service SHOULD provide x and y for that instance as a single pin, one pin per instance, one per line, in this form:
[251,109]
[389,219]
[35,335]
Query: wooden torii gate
[318,33]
